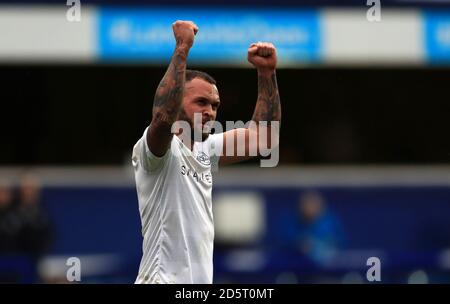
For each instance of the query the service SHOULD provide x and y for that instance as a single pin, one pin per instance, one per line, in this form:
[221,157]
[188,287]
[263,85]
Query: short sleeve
[142,156]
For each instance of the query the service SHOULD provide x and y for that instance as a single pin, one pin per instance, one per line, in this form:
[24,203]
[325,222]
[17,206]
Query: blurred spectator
[319,234]
[35,232]
[9,221]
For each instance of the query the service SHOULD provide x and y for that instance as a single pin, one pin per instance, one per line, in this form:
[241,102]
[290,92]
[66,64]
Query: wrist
[182,49]
[265,71]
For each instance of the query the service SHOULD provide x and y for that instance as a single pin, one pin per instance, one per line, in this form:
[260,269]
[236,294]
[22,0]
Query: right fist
[184,32]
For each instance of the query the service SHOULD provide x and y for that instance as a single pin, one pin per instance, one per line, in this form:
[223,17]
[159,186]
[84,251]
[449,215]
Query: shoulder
[142,156]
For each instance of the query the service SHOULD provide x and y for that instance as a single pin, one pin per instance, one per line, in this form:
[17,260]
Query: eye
[202,102]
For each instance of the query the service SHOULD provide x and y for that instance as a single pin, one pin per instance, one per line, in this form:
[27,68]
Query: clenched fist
[184,32]
[263,56]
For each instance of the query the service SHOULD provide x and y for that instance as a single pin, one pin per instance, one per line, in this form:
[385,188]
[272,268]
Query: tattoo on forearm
[268,106]
[169,95]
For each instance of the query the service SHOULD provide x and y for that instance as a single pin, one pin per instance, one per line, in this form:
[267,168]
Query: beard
[195,130]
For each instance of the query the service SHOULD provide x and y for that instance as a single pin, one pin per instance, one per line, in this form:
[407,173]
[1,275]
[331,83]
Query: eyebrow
[216,101]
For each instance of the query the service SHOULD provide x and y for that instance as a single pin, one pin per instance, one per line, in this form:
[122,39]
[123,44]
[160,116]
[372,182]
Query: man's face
[311,206]
[5,196]
[201,97]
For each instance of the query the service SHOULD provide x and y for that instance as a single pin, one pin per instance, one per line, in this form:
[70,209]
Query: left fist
[263,56]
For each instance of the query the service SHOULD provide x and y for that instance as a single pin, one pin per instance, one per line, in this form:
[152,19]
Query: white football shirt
[174,194]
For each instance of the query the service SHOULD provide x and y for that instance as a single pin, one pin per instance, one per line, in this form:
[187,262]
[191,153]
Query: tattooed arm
[268,107]
[267,115]
[169,94]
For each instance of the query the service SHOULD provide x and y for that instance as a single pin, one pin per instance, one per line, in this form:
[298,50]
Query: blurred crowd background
[364,165]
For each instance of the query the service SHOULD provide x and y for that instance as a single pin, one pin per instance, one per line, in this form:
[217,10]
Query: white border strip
[349,38]
[43,34]
[245,176]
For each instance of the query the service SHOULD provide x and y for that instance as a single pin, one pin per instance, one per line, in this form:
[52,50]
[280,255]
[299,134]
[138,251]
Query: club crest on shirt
[203,159]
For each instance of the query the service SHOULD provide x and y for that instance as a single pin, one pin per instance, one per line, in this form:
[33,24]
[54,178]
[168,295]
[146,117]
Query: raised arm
[268,107]
[169,95]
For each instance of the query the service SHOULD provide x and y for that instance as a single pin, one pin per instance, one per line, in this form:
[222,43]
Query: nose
[208,112]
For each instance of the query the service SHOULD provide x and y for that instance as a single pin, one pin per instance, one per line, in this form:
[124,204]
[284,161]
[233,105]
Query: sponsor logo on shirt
[203,159]
[198,177]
